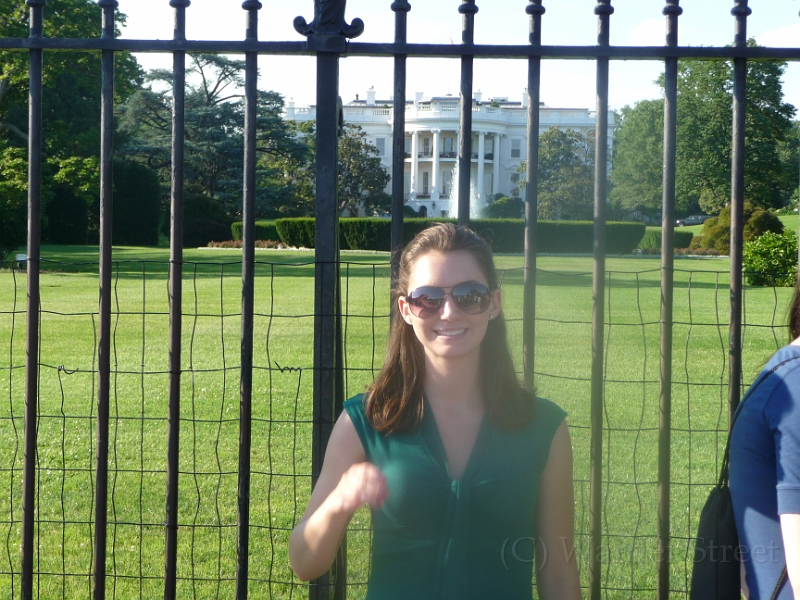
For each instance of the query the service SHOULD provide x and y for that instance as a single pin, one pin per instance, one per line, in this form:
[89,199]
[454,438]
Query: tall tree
[70,115]
[705,114]
[636,176]
[566,174]
[214,128]
[362,179]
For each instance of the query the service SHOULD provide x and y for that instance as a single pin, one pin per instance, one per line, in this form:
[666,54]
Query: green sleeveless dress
[440,538]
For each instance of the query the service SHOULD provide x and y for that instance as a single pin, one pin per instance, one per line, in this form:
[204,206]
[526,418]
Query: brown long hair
[395,399]
[794,313]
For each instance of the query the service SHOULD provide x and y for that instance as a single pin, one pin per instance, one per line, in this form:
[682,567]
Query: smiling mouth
[450,332]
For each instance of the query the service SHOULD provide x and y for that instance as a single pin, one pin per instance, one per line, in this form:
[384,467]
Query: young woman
[765,473]
[467,474]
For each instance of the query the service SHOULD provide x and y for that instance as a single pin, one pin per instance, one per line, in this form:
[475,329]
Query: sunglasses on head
[471,297]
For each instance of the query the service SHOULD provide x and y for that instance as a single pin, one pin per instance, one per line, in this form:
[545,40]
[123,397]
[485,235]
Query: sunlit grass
[282,408]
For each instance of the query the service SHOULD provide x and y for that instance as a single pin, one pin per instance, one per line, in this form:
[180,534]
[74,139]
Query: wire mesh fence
[282,413]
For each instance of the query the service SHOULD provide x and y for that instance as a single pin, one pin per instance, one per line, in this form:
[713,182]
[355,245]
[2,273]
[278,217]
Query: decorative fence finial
[329,20]
[535,8]
[672,8]
[603,8]
[741,9]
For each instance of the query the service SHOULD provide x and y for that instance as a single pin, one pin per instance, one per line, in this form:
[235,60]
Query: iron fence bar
[106,268]
[32,309]
[467,10]
[740,11]
[535,10]
[401,9]
[175,299]
[248,300]
[327,276]
[416,50]
[603,10]
[671,11]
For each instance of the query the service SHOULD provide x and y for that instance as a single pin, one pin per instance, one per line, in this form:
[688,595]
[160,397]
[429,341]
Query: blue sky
[564,83]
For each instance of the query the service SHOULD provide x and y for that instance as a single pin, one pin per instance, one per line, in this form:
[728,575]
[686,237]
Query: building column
[435,175]
[481,195]
[496,159]
[414,163]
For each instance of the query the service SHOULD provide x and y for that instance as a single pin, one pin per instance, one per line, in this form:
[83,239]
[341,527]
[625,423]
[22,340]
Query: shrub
[577,237]
[298,232]
[301,233]
[264,230]
[760,222]
[771,259]
[238,244]
[695,243]
[717,231]
[367,234]
[199,232]
[137,204]
[652,239]
[504,235]
[504,208]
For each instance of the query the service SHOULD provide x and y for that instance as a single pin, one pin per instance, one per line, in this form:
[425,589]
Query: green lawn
[282,408]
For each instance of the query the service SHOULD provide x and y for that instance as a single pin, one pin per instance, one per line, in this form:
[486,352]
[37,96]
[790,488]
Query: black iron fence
[241,486]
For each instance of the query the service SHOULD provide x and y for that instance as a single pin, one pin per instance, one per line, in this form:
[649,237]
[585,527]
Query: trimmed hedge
[264,230]
[652,239]
[504,235]
[300,232]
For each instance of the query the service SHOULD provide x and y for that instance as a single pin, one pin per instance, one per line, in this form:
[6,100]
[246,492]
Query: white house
[499,143]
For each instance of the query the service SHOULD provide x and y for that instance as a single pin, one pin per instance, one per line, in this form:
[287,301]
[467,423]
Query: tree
[703,172]
[214,129]
[636,175]
[362,179]
[71,96]
[704,133]
[13,200]
[566,174]
[70,119]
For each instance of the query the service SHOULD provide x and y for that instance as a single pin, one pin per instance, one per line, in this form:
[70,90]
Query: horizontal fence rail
[199,464]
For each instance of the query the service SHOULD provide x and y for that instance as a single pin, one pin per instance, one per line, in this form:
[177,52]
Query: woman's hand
[362,483]
[346,482]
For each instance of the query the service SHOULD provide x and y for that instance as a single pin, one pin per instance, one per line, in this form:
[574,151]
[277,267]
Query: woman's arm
[790,528]
[346,482]
[557,569]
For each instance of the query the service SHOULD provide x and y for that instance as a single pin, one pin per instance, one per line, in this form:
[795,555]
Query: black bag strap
[779,585]
[723,472]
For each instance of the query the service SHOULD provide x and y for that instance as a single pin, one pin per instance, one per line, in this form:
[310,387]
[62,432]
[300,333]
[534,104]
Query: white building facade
[499,144]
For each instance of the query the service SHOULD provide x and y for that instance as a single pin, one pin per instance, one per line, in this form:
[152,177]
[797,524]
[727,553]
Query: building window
[380,143]
[516,148]
[406,183]
[448,148]
[408,147]
[426,146]
[425,180]
[447,183]
[488,185]
[445,214]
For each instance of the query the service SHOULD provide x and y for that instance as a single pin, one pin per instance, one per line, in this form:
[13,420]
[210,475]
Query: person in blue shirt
[765,473]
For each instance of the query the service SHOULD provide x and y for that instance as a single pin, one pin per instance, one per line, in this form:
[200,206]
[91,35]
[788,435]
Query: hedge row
[265,230]
[652,239]
[504,235]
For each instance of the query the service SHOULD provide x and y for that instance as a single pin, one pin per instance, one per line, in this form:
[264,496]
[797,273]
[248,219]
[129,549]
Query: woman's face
[450,333]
